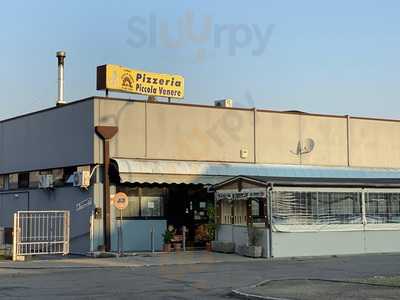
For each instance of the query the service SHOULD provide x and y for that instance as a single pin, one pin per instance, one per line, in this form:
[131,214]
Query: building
[167,157]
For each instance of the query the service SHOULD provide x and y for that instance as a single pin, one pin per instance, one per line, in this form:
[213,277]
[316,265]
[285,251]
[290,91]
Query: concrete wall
[10,203]
[49,139]
[67,198]
[185,132]
[278,135]
[64,198]
[159,131]
[334,243]
[374,143]
[130,117]
[65,136]
[294,244]
[199,133]
[238,234]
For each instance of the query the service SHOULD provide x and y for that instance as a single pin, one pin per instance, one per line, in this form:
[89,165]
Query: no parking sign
[120,201]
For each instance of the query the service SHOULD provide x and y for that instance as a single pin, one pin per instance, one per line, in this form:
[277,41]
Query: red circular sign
[120,200]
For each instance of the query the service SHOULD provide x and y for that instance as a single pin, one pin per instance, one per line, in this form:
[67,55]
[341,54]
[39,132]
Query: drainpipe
[106,133]
[269,195]
[348,139]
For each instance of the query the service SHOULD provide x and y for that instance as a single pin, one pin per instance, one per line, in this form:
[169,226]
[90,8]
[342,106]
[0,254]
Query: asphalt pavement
[211,276]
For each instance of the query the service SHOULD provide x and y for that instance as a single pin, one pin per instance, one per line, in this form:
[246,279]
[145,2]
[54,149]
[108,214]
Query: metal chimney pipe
[60,57]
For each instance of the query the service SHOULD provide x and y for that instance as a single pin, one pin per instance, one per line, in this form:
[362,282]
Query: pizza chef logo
[127,81]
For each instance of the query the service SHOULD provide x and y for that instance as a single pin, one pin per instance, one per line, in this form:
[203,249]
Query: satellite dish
[303,147]
[308,146]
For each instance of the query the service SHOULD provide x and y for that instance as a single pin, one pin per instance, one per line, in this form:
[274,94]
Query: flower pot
[208,246]
[254,251]
[177,247]
[167,247]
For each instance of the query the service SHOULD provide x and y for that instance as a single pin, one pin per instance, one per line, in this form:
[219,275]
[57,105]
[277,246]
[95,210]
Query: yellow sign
[121,79]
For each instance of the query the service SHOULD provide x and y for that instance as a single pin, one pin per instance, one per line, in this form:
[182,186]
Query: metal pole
[152,239]
[270,196]
[119,237]
[15,238]
[184,237]
[121,253]
[91,232]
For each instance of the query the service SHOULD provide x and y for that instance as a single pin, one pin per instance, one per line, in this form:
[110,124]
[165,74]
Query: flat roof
[291,112]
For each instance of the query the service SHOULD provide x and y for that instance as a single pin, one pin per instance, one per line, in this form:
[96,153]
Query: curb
[245,295]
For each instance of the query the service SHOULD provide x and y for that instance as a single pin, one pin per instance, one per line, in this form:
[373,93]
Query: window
[151,202]
[58,177]
[34,179]
[68,171]
[257,210]
[2,182]
[382,207]
[13,181]
[144,202]
[133,202]
[23,180]
[151,206]
[304,208]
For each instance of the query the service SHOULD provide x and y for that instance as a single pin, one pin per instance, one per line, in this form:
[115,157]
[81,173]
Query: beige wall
[198,133]
[175,132]
[330,140]
[374,143]
[182,132]
[278,135]
[129,116]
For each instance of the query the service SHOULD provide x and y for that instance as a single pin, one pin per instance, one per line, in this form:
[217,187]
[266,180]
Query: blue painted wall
[136,234]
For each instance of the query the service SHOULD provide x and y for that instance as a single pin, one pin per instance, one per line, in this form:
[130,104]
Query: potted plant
[253,249]
[168,236]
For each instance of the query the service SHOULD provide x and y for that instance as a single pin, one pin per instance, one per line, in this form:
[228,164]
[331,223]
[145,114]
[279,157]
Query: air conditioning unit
[46,181]
[224,103]
[82,179]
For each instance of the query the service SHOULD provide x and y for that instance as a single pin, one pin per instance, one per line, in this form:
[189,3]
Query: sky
[331,57]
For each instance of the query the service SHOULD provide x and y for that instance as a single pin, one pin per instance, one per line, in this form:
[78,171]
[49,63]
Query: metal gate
[40,232]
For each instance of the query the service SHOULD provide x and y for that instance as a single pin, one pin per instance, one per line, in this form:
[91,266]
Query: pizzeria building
[311,184]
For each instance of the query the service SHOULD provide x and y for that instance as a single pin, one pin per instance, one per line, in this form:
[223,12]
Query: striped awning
[167,171]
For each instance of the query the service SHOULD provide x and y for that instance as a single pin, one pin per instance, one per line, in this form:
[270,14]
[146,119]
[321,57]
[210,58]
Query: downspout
[269,198]
[106,133]
[348,139]
[255,134]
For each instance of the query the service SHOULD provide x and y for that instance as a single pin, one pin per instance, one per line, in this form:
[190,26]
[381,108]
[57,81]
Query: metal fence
[41,232]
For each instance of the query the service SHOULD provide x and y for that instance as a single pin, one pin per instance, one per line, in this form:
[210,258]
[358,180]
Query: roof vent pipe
[60,57]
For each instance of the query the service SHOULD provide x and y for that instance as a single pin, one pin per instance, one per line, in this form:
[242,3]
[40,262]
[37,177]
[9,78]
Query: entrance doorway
[156,207]
[188,205]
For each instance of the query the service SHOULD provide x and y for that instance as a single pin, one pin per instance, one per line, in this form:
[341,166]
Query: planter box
[250,251]
[224,247]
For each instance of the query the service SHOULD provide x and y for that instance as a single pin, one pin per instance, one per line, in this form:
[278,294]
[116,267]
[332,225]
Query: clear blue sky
[338,57]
